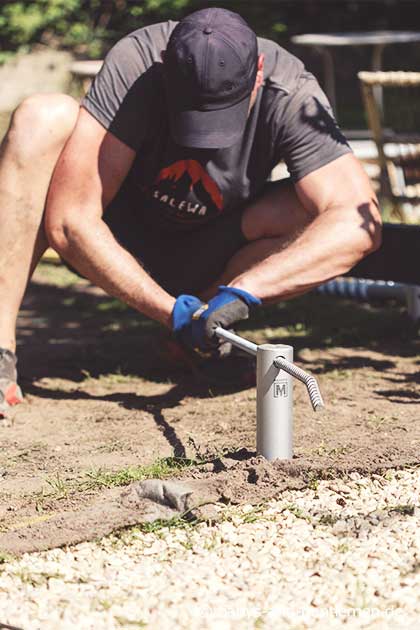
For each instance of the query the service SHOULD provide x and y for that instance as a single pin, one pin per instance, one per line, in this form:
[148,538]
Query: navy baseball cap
[209,68]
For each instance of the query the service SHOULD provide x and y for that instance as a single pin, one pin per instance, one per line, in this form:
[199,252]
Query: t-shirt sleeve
[307,135]
[120,97]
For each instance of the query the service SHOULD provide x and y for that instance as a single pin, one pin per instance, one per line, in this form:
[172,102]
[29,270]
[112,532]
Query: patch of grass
[160,469]
[187,522]
[184,522]
[27,454]
[112,327]
[300,329]
[361,597]
[132,623]
[53,271]
[376,421]
[342,548]
[111,447]
[70,301]
[115,378]
[323,450]
[326,474]
[59,487]
[187,544]
[212,542]
[313,482]
[37,578]
[406,510]
[328,519]
[112,305]
[40,498]
[109,380]
[340,374]
[297,511]
[97,479]
[256,514]
[252,515]
[177,522]
[6,55]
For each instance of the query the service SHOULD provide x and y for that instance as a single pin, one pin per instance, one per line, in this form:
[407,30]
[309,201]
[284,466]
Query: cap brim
[216,129]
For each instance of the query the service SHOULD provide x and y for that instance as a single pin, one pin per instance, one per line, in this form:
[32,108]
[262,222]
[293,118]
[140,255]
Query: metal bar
[377,66]
[237,341]
[310,381]
[413,302]
[365,289]
[361,289]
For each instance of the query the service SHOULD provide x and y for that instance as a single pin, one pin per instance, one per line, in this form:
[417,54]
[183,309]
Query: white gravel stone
[305,562]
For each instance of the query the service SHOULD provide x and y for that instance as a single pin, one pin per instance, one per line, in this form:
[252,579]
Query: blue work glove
[194,322]
[182,320]
[229,305]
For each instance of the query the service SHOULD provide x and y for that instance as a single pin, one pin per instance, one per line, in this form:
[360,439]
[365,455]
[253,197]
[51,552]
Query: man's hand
[195,323]
[183,323]
[229,305]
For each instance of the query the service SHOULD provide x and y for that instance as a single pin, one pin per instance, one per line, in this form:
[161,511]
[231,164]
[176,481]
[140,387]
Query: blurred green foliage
[90,27]
[87,26]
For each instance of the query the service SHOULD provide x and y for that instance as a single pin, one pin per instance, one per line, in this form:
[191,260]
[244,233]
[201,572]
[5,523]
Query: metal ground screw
[275,373]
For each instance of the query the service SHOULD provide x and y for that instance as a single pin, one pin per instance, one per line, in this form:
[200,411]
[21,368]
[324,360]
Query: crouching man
[156,188]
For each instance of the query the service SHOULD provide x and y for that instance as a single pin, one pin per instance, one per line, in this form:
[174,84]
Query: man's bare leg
[38,131]
[270,223]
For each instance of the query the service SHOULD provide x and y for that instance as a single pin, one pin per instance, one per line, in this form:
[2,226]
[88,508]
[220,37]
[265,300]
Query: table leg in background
[377,67]
[329,77]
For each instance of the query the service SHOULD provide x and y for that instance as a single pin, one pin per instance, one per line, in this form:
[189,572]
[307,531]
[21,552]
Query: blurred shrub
[90,27]
[86,26]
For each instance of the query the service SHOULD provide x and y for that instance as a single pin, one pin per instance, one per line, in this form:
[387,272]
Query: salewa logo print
[187,191]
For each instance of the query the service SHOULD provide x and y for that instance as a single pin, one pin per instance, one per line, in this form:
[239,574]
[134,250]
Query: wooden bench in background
[83,72]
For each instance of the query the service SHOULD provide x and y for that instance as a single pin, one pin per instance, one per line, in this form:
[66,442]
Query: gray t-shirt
[183,187]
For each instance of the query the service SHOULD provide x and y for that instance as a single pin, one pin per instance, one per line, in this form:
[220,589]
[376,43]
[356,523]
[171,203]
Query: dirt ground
[108,404]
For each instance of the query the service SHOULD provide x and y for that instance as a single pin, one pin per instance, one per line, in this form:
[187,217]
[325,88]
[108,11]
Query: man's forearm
[330,246]
[94,252]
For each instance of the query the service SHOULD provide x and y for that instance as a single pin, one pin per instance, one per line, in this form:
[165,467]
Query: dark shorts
[179,261]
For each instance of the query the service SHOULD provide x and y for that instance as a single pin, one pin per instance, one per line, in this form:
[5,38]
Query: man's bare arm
[345,227]
[89,173]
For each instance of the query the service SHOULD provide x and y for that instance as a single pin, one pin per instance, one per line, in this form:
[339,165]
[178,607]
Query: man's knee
[41,124]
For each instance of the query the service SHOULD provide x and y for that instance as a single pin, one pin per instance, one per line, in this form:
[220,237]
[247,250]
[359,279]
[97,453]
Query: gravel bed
[344,553]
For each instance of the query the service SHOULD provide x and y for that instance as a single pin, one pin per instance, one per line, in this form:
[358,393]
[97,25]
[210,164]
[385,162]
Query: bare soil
[106,398]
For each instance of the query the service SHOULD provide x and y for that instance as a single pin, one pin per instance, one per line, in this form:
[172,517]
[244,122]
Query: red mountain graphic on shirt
[196,174]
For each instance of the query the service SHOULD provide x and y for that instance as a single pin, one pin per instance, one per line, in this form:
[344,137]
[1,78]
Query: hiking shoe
[10,392]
